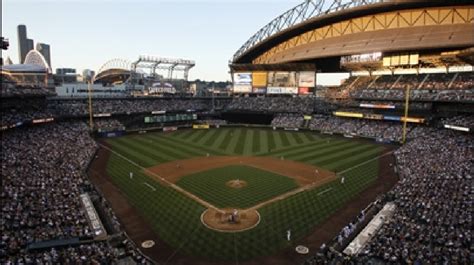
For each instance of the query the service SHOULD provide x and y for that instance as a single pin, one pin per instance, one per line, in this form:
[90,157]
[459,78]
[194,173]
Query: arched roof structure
[318,29]
[35,58]
[114,70]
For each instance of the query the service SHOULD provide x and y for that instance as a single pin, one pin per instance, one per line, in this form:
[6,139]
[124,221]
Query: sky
[84,34]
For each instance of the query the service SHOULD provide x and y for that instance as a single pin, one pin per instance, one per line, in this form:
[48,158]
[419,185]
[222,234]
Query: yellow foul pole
[407,99]
[91,122]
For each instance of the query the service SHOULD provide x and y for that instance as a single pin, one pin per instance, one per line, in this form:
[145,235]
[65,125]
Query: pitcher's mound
[236,183]
[230,220]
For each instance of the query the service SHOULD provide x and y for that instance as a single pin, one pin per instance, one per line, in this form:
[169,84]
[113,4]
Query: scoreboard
[274,82]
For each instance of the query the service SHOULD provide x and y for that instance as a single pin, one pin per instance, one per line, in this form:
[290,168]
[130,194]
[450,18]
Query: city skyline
[161,28]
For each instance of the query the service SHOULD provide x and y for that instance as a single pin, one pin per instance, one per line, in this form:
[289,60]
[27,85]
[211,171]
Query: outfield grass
[176,218]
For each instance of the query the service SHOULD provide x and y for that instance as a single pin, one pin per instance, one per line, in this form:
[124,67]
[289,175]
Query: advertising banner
[305,90]
[274,90]
[170,129]
[260,90]
[414,120]
[246,88]
[373,116]
[457,128]
[259,79]
[377,106]
[43,120]
[200,126]
[391,118]
[289,90]
[307,79]
[98,115]
[348,114]
[282,79]
[282,90]
[242,78]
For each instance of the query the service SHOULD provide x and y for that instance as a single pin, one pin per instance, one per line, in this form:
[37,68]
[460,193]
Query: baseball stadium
[132,165]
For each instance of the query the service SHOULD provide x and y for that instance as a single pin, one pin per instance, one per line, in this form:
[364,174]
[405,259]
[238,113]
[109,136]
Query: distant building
[23,43]
[65,75]
[4,44]
[44,49]
[87,75]
[64,71]
[27,75]
[30,45]
[8,61]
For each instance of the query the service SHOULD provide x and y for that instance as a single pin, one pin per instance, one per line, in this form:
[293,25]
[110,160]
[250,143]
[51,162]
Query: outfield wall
[248,117]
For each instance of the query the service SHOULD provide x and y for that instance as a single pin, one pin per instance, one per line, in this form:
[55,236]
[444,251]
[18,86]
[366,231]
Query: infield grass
[261,185]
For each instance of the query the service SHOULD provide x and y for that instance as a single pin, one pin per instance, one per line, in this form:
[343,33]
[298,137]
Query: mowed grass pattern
[211,186]
[176,218]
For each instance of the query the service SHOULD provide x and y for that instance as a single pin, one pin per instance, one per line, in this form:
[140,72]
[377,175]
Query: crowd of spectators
[384,82]
[432,221]
[430,87]
[425,87]
[466,121]
[12,116]
[288,120]
[81,107]
[408,81]
[372,129]
[8,89]
[463,81]
[437,81]
[368,128]
[108,125]
[334,125]
[427,95]
[42,180]
[273,104]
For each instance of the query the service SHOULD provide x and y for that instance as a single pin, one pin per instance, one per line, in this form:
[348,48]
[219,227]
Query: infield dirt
[303,174]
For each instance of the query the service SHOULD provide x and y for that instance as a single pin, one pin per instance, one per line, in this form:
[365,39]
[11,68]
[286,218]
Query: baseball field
[277,180]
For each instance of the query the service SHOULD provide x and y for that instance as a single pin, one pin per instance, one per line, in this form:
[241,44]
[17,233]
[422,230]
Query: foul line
[291,193]
[365,162]
[324,191]
[172,185]
[150,186]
